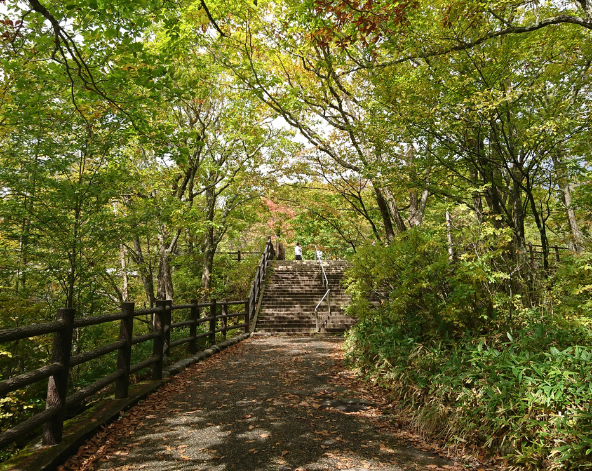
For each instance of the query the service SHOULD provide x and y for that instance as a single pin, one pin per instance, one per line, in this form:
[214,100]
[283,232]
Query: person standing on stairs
[298,251]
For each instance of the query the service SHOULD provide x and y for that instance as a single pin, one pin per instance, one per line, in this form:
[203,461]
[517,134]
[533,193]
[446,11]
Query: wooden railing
[58,371]
[61,362]
[255,293]
[535,252]
[238,255]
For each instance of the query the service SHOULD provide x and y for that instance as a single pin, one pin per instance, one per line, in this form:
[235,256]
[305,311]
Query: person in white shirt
[298,251]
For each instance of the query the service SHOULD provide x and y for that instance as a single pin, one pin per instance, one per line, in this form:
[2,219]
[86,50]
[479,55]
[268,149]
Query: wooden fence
[238,255]
[254,294]
[58,371]
[535,252]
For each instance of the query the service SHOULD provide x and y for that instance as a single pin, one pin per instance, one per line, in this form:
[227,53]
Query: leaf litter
[111,446]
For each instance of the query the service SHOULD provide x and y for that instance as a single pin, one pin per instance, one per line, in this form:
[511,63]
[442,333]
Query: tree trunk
[517,212]
[164,288]
[477,201]
[416,204]
[417,207]
[391,209]
[73,258]
[449,237]
[145,271]
[541,226]
[124,291]
[576,234]
[209,248]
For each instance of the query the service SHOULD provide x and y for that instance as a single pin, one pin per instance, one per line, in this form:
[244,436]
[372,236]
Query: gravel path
[268,403]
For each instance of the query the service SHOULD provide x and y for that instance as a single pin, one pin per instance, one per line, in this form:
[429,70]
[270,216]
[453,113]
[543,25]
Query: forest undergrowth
[471,352]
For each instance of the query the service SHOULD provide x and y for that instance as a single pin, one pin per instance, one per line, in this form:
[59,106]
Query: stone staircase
[293,288]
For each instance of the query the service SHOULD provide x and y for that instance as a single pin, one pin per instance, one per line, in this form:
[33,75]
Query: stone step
[294,289]
[297,313]
[302,307]
[295,309]
[294,325]
[310,292]
[280,302]
[303,274]
[303,298]
[287,332]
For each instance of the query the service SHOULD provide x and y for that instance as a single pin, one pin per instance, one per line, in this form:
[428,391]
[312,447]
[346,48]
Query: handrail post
[57,387]
[158,343]
[247,321]
[194,316]
[124,356]
[224,319]
[212,337]
[324,324]
[316,320]
[325,283]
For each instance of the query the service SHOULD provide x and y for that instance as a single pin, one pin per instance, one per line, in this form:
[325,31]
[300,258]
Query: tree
[315,88]
[60,172]
[494,119]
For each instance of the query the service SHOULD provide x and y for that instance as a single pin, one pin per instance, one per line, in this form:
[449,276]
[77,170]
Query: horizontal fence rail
[213,318]
[238,254]
[535,251]
[57,372]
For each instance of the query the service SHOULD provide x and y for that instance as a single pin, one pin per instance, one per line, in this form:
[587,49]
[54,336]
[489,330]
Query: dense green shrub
[467,356]
[527,395]
[572,287]
[423,291]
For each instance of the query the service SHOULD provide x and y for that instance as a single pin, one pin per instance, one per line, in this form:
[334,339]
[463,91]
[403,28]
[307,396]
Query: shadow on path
[268,403]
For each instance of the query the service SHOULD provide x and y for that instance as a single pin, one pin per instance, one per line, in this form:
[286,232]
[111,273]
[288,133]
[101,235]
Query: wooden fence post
[194,316]
[224,319]
[239,257]
[158,343]
[247,319]
[57,387]
[212,338]
[124,356]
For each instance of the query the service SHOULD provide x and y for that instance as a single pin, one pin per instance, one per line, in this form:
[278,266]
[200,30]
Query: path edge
[35,457]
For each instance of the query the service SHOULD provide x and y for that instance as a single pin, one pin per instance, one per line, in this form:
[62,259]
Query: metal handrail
[326,284]
[317,308]
[327,293]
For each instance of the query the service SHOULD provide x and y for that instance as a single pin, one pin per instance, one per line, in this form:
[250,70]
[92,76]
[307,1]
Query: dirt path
[268,403]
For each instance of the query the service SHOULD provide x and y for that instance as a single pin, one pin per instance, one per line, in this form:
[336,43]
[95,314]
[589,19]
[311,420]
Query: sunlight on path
[269,403]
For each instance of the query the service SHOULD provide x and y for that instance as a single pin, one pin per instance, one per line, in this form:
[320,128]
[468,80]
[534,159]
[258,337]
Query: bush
[424,292]
[520,394]
[465,357]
